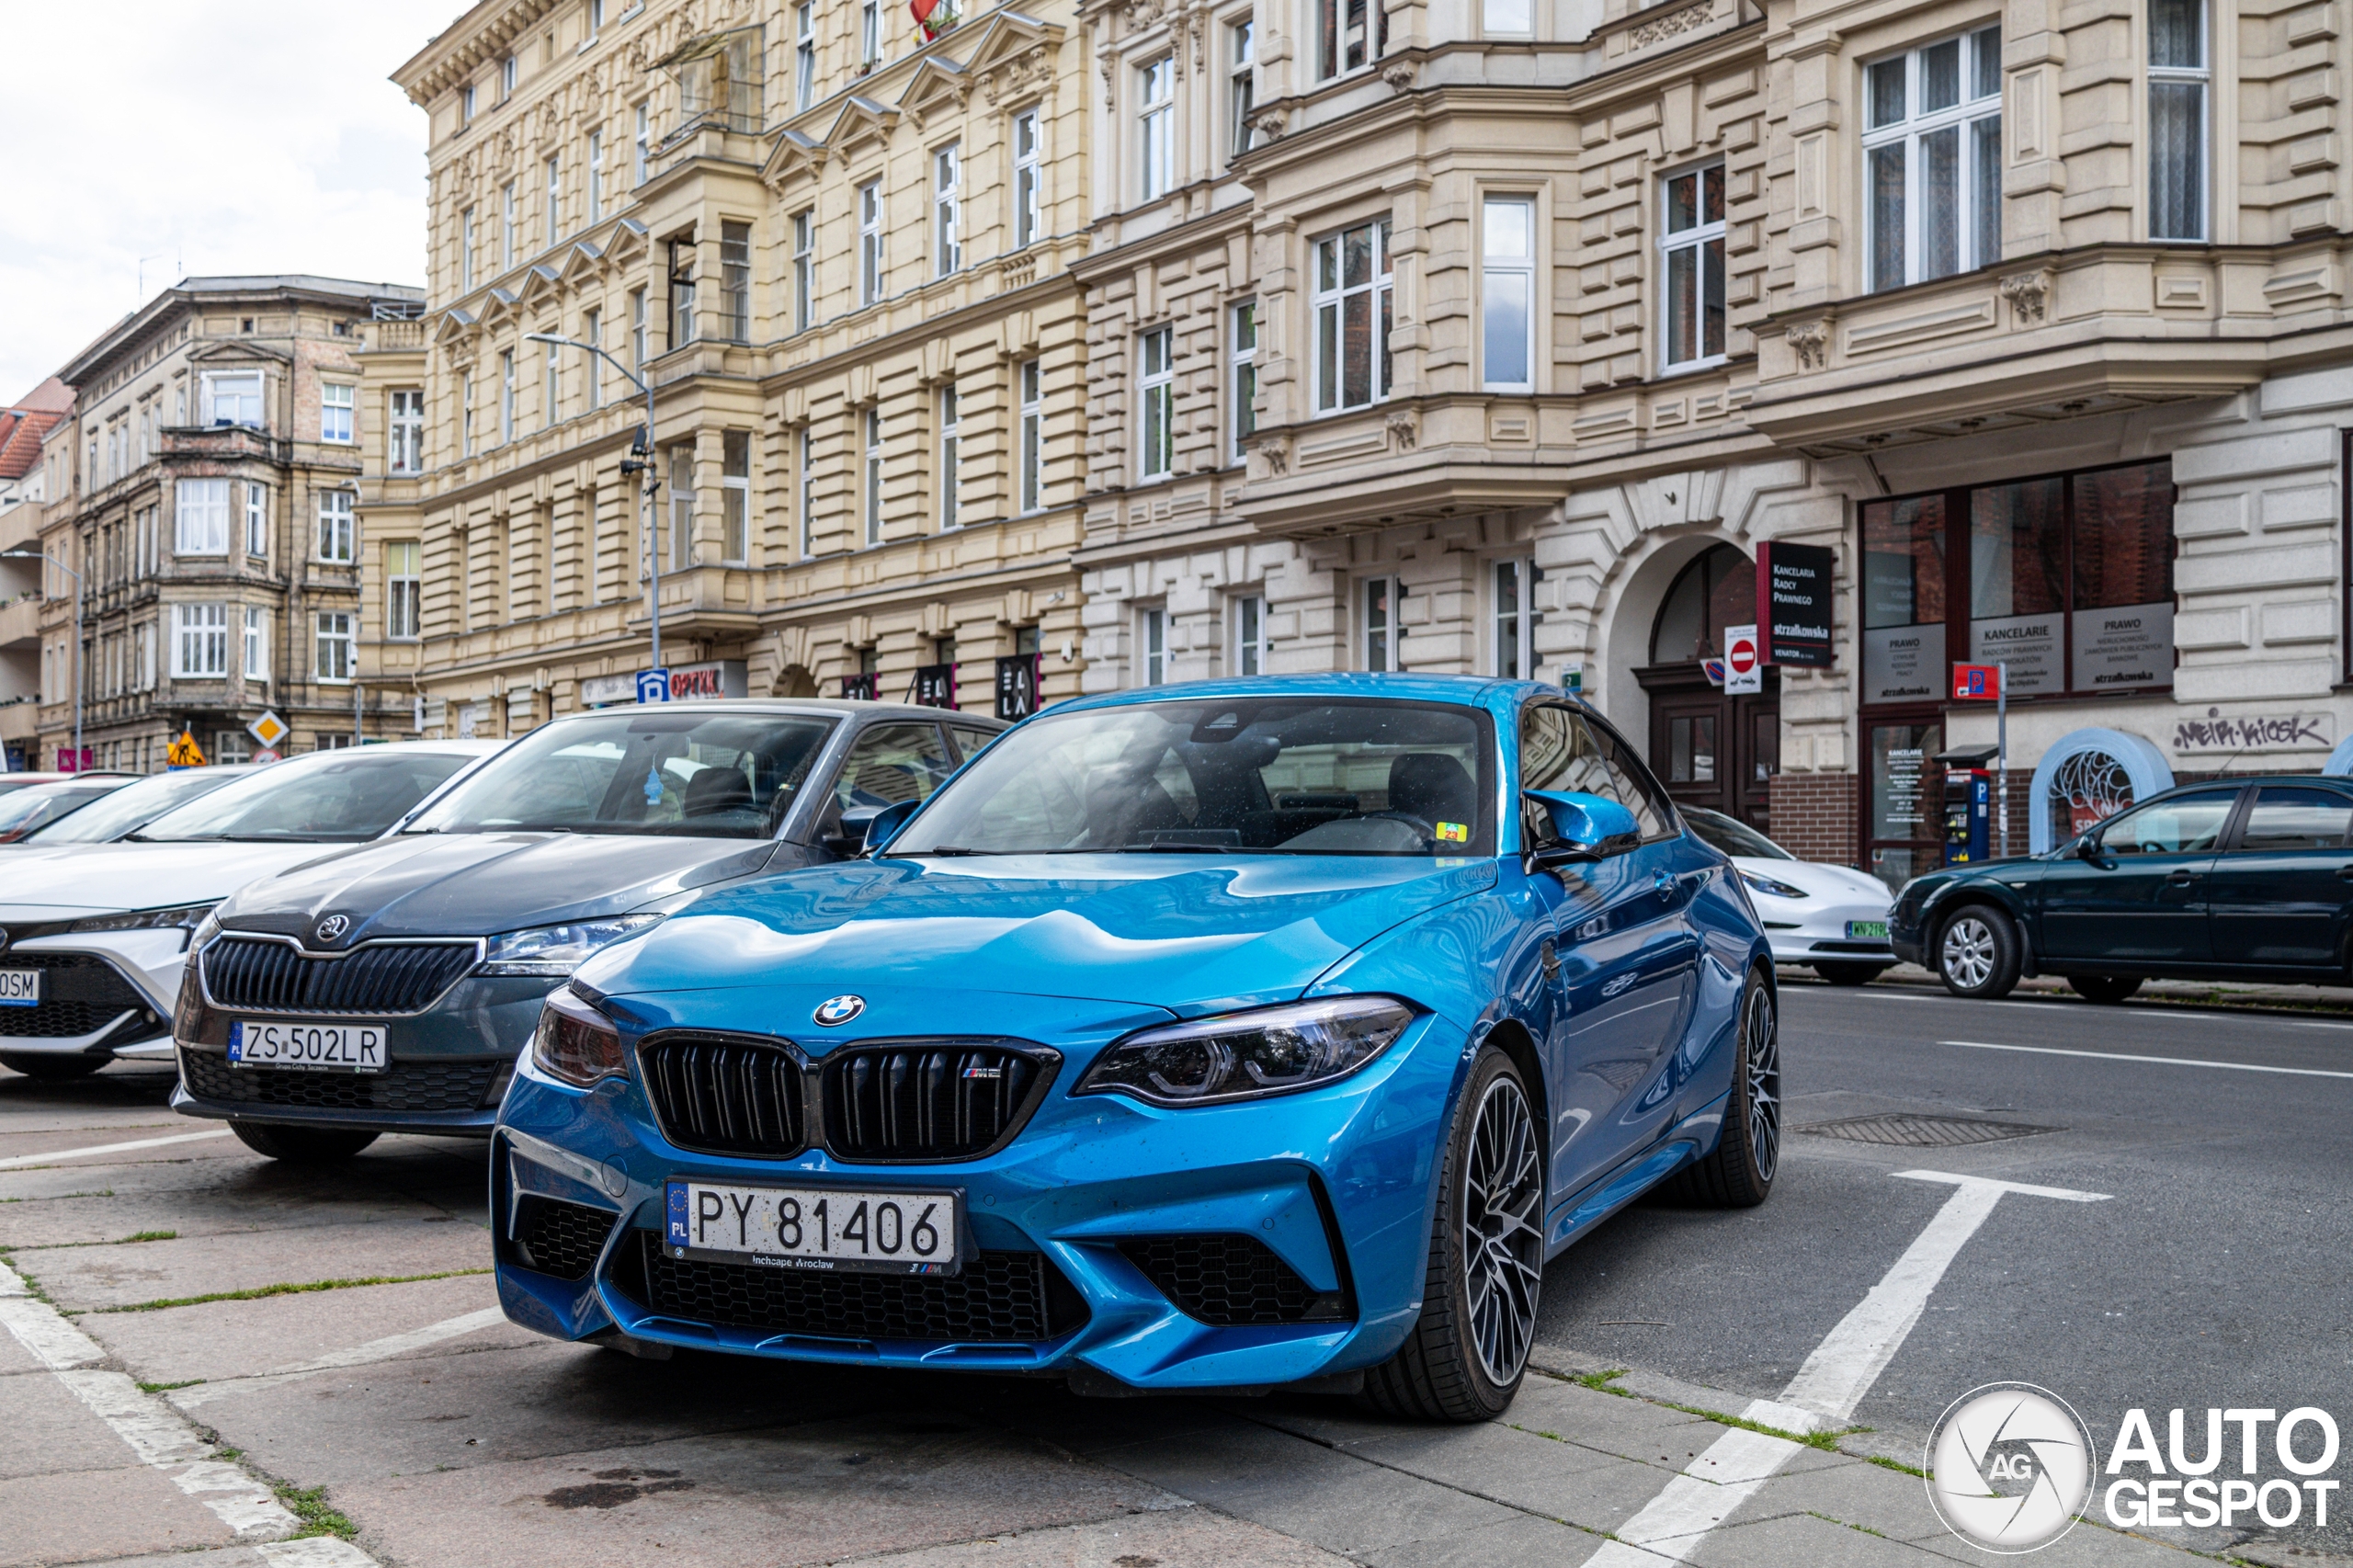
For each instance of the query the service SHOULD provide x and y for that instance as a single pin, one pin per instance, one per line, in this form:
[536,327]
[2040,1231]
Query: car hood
[1179,932]
[477,884]
[1818,879]
[97,878]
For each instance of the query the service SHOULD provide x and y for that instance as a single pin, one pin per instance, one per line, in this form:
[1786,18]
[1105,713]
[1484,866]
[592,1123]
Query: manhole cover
[1923,1131]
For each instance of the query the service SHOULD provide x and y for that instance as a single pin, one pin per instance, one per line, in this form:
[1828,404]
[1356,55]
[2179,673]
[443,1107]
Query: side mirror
[2087,847]
[885,825]
[1582,828]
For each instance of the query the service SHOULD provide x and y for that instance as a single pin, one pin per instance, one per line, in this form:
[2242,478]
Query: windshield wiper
[949,849]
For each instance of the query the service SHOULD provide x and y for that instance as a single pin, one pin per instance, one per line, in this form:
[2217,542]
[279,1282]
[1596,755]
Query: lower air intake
[1232,1282]
[1001,1297]
[560,1238]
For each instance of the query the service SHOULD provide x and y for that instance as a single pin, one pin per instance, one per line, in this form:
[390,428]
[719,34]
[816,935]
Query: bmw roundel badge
[334,925]
[835,1010]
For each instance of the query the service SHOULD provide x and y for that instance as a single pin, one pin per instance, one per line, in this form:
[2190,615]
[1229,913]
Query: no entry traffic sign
[1744,666]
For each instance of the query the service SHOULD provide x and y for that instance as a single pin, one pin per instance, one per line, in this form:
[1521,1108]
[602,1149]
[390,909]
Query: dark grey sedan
[390,988]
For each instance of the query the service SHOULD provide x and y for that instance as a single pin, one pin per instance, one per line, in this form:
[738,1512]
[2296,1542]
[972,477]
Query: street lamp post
[51,560]
[640,457]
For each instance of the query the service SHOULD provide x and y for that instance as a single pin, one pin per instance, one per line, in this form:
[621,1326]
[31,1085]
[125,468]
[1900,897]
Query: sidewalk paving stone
[84,1277]
[114,1511]
[1179,1538]
[50,1432]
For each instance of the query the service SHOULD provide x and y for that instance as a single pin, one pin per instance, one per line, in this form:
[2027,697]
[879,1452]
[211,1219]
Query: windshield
[701,775]
[327,797]
[1286,776]
[28,808]
[1732,835]
[142,801]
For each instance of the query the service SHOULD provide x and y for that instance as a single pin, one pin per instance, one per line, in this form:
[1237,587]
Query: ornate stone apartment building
[208,498]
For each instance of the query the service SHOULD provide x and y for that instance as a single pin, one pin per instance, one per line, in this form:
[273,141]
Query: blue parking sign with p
[653,686]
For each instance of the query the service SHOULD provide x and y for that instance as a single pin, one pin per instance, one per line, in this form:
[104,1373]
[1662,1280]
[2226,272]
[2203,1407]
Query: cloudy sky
[205,138]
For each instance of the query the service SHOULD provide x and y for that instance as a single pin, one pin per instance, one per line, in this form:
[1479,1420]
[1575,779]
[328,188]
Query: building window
[334,527]
[1351,33]
[332,645]
[1242,379]
[637,323]
[1152,636]
[735,280]
[257,631]
[870,243]
[551,402]
[804,54]
[335,412]
[1514,620]
[404,578]
[1156,126]
[1692,242]
[595,177]
[465,413]
[555,202]
[466,103]
[1028,180]
[1352,317]
[1241,85]
[869,31]
[466,250]
[804,267]
[873,486]
[257,518]
[2180,73]
[1508,18]
[805,470]
[1508,293]
[952,474]
[641,148]
[947,207]
[592,372]
[1381,632]
[682,292]
[1157,382]
[506,78]
[506,394]
[1932,160]
[408,452]
[682,507]
[1033,434]
[1250,636]
[200,641]
[506,221]
[735,497]
[233,399]
[200,517]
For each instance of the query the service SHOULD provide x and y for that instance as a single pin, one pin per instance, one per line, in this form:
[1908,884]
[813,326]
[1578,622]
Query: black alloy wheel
[1738,1173]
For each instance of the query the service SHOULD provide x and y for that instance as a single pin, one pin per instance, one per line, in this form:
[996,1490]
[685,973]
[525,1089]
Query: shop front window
[1903,600]
[1901,833]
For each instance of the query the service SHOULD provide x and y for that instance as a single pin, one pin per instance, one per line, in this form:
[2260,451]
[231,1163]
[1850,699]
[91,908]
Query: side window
[2286,817]
[971,741]
[1558,750]
[2184,825]
[891,763]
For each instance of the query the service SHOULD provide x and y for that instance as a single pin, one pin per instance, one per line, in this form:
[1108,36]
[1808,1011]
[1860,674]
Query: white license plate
[823,1228]
[20,987]
[327,1047]
[1866,930]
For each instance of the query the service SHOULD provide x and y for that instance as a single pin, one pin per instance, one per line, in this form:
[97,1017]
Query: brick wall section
[1813,817]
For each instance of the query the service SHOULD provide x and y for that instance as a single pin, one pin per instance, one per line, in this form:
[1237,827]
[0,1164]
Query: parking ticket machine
[1969,795]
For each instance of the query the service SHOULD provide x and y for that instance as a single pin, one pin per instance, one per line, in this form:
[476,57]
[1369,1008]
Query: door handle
[2181,879]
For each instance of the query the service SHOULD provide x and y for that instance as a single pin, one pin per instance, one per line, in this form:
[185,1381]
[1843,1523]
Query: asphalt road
[405,1412]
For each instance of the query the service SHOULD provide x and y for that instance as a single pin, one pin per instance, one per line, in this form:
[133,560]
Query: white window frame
[551,387]
[1152,645]
[404,590]
[2177,77]
[1156,127]
[1512,619]
[1241,85]
[951,471]
[465,413]
[257,510]
[1693,246]
[1156,402]
[214,381]
[735,499]
[199,642]
[1249,618]
[335,647]
[1974,108]
[804,269]
[407,432]
[1030,375]
[466,251]
[682,507]
[804,472]
[597,177]
[736,279]
[870,243]
[505,395]
[1377,640]
[1330,304]
[555,199]
[873,498]
[466,103]
[255,632]
[869,31]
[1331,42]
[200,517]
[507,78]
[1503,270]
[592,374]
[637,329]
[337,538]
[947,209]
[1029,179]
[508,217]
[1242,373]
[642,148]
[805,55]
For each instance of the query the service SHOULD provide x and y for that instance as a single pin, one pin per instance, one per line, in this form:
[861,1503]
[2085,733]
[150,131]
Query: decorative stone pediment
[238,351]
[582,262]
[938,87]
[862,119]
[795,153]
[456,325]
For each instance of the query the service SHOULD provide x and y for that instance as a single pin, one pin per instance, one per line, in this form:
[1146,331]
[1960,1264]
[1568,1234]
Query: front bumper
[103,993]
[1320,1198]
[1805,931]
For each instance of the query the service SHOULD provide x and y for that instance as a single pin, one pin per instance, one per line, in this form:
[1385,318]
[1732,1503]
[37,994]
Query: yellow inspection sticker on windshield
[1453,833]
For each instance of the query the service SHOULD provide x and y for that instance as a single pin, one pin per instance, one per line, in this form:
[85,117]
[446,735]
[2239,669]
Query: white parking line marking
[156,1433]
[1671,1526]
[382,1349]
[2172,1015]
[55,1155]
[2161,1060]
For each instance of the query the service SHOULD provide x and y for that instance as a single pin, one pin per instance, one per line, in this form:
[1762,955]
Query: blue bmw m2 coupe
[1237,1035]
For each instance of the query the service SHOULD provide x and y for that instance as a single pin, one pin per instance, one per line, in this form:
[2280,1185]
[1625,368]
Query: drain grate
[1923,1131]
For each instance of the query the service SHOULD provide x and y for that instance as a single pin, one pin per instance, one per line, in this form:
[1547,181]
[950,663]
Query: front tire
[52,1069]
[1848,973]
[1978,954]
[2104,987]
[1465,1358]
[300,1146]
[1738,1173]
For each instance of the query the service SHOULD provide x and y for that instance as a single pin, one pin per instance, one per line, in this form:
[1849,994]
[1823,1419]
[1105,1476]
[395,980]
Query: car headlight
[1765,884]
[185,916]
[575,1042]
[558,949]
[1267,1051]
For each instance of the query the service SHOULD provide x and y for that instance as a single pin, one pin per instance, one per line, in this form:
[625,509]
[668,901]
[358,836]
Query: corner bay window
[1506,290]
[735,497]
[1350,34]
[200,640]
[1353,307]
[1692,242]
[2178,77]
[1932,160]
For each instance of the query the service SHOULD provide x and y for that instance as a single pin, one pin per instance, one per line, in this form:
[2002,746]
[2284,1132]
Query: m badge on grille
[334,925]
[835,1010]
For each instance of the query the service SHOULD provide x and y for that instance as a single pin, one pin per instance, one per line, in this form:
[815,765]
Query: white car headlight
[1771,888]
[185,916]
[1267,1051]
[559,949]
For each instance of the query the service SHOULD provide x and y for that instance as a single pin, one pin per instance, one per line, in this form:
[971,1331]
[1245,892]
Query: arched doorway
[1708,749]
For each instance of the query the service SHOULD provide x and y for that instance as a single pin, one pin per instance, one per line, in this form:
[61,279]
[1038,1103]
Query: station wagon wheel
[1978,953]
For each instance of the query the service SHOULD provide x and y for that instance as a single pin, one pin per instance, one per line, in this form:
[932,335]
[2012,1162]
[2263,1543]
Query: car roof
[825,707]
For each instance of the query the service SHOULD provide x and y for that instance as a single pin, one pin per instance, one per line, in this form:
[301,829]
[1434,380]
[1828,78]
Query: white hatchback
[1831,918]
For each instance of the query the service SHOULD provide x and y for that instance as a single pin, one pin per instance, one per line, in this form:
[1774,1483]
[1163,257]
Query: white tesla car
[1831,918]
[92,941]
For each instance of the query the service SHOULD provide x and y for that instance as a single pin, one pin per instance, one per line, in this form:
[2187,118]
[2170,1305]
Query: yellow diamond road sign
[269,729]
